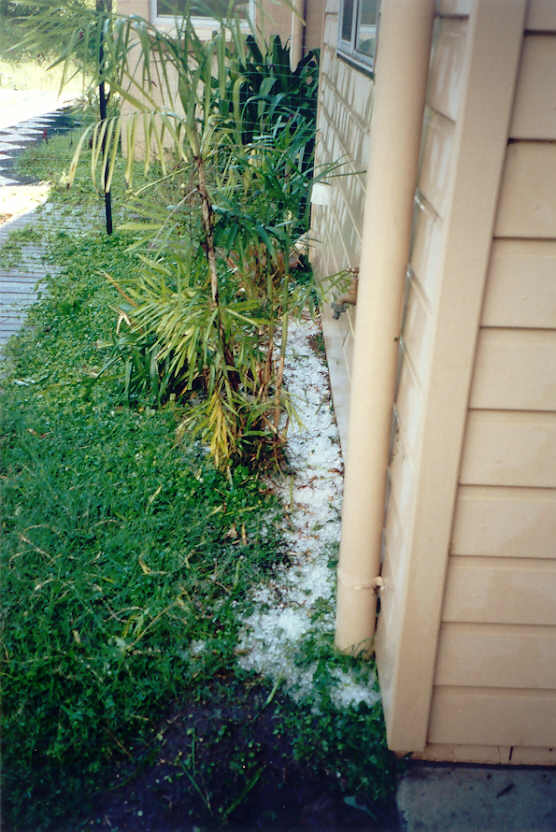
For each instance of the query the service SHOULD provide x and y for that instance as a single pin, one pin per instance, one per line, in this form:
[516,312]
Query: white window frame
[204,26]
[348,48]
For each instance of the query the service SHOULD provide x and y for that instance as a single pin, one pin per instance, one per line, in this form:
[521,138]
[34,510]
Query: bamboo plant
[216,290]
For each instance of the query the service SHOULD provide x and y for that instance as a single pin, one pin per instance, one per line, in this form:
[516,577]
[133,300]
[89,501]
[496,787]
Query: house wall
[139,7]
[495,677]
[405,705]
[466,637]
[344,114]
[314,21]
[272,17]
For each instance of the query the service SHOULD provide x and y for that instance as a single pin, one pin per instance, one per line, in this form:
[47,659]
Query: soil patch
[224,762]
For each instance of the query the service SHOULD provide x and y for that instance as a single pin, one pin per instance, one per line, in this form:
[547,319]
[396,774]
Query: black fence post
[102,6]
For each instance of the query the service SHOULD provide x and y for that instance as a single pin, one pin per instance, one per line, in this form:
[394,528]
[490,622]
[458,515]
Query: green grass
[116,552]
[11,250]
[22,70]
[50,162]
[126,565]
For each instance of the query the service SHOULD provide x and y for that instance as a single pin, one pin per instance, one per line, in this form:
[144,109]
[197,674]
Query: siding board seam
[440,114]
[531,239]
[407,356]
[349,210]
[360,122]
[536,488]
[510,328]
[448,16]
[507,629]
[421,201]
[504,410]
[524,140]
[417,285]
[511,692]
[341,237]
[501,562]
[348,255]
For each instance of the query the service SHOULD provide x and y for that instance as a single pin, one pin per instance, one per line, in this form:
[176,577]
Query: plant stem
[208,227]
[207,214]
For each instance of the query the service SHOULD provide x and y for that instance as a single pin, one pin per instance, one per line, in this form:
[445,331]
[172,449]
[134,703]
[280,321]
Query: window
[163,11]
[358,31]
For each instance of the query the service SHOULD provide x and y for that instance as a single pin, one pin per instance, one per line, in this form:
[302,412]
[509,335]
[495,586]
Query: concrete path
[17,106]
[467,798]
[18,283]
[21,206]
[22,272]
[15,136]
[18,204]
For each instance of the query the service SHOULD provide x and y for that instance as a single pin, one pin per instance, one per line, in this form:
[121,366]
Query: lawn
[129,567]
[22,70]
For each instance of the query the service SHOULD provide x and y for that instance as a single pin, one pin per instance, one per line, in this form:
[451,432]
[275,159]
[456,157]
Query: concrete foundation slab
[449,798]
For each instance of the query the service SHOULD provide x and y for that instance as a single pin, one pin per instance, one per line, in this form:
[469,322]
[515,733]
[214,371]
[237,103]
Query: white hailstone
[272,634]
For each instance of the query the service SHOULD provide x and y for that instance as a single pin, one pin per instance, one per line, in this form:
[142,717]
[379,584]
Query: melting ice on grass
[272,636]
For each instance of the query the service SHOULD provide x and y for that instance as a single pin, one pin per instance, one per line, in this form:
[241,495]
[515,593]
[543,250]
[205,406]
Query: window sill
[354,61]
[204,26]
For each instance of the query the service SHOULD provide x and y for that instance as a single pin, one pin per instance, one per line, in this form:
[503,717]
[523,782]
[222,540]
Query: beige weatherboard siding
[345,110]
[139,7]
[466,636]
[344,113]
[501,577]
[401,72]
[467,109]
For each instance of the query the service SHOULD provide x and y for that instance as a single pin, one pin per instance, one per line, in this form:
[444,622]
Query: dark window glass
[202,8]
[366,27]
[347,19]
[358,31]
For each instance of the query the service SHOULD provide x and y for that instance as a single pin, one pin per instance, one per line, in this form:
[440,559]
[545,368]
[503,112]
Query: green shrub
[234,140]
[109,570]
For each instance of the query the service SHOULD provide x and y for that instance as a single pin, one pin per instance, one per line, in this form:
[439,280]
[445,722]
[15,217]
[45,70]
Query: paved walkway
[21,204]
[27,129]
[17,106]
[18,203]
[472,798]
[18,283]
